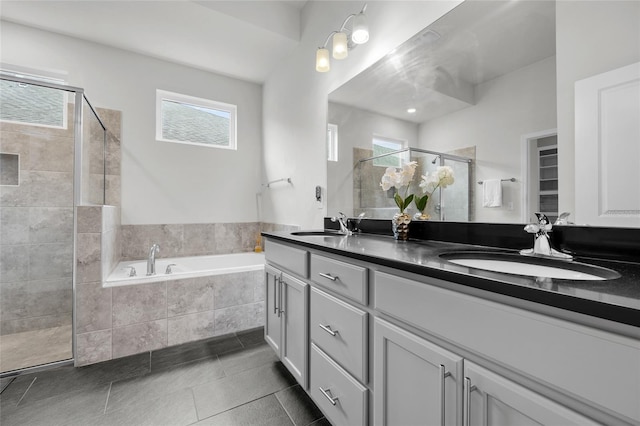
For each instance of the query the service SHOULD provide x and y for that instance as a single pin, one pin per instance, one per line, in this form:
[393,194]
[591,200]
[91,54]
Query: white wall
[295,99]
[592,37]
[507,107]
[356,128]
[161,182]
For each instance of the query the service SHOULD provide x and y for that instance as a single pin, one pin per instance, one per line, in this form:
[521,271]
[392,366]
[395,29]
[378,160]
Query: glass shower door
[36,224]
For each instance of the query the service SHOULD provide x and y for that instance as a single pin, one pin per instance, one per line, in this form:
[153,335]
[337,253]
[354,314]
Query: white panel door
[493,400]
[607,148]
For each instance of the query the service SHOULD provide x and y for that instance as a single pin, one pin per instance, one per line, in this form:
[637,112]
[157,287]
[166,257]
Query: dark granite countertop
[616,299]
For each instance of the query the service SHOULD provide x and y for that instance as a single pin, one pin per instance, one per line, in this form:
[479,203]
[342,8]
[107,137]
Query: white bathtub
[185,267]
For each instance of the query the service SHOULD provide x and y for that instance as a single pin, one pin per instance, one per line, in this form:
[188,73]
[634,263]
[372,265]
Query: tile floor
[230,380]
[29,348]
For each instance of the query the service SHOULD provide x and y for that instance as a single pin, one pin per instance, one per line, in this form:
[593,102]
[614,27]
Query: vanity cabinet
[438,355]
[286,322]
[416,381]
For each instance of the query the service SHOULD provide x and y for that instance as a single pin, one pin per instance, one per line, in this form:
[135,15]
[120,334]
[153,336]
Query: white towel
[492,193]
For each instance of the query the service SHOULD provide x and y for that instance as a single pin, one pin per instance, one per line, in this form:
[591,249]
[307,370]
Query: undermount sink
[530,266]
[317,234]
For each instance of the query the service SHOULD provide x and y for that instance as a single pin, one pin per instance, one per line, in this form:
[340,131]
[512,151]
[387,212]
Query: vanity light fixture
[342,42]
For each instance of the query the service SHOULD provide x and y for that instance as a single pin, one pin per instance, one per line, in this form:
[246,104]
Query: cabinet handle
[282,286]
[328,329]
[443,375]
[327,394]
[276,281]
[327,276]
[468,388]
[280,295]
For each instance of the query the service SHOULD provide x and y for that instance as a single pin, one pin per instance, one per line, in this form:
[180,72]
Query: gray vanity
[381,332]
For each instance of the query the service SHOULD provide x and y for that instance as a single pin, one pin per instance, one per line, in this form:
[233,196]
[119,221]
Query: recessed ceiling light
[411,110]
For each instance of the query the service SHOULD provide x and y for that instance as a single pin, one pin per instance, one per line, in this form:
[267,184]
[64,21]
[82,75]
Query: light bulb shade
[322,60]
[340,48]
[360,32]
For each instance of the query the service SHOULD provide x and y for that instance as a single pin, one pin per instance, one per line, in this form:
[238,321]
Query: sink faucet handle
[563,219]
[544,223]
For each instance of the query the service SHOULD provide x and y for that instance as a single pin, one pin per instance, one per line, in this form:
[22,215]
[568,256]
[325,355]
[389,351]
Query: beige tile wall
[36,232]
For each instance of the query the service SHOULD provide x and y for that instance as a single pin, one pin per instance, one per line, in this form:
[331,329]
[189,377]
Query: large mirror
[479,83]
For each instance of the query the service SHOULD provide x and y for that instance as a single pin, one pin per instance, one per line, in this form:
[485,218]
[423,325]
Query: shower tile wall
[36,249]
[111,156]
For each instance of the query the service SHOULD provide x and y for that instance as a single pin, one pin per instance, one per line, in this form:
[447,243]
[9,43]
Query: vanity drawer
[340,330]
[340,397]
[340,277]
[289,258]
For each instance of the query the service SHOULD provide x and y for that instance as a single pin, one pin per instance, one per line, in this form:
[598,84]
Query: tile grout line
[283,407]
[25,392]
[106,403]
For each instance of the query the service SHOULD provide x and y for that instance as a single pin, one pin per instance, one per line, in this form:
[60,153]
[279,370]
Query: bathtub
[185,267]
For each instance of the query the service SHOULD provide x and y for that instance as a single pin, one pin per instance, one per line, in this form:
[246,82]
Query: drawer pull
[327,276]
[327,394]
[328,329]
[443,375]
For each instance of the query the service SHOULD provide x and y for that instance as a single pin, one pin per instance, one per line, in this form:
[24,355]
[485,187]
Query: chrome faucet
[542,242]
[356,226]
[342,220]
[151,260]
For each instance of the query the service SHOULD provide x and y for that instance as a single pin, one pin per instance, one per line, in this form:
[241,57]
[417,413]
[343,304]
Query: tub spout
[151,260]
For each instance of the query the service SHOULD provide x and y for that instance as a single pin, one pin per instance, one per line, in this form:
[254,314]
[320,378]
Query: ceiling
[437,70]
[243,39]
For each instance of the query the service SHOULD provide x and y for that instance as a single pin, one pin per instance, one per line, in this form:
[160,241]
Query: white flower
[445,175]
[389,178]
[406,175]
[392,177]
[442,177]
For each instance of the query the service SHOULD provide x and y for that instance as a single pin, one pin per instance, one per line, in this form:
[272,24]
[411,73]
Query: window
[32,104]
[195,121]
[382,145]
[332,142]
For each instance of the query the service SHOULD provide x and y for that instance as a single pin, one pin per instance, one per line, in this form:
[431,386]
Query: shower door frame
[78,117]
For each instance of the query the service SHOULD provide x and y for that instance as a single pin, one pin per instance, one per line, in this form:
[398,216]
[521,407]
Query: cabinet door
[417,382]
[295,327]
[491,399]
[272,323]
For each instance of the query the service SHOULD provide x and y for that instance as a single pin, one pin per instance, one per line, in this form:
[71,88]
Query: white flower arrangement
[399,178]
[441,178]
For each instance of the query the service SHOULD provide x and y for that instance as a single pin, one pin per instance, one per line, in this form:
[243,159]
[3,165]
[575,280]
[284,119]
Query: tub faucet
[542,242]
[151,260]
[342,221]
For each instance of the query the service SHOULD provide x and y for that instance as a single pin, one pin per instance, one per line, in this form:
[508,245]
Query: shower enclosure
[450,204]
[52,152]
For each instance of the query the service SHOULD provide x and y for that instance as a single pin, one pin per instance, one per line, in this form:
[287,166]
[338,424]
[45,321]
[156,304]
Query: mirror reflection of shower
[450,204]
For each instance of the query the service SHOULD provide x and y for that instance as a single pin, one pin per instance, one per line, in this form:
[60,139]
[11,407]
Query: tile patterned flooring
[29,348]
[229,380]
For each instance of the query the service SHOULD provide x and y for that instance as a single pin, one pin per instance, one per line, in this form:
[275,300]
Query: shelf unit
[548,181]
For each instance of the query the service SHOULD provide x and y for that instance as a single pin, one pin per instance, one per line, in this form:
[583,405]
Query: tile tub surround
[194,239]
[232,379]
[120,321]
